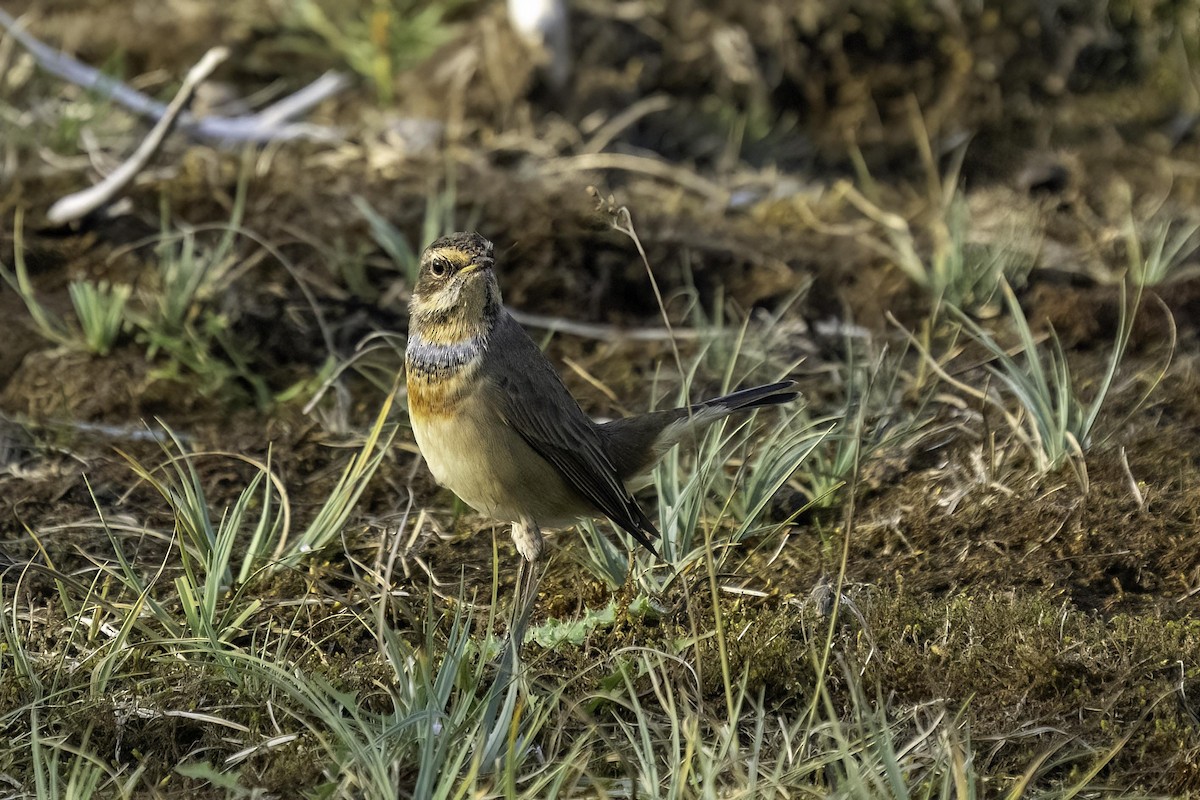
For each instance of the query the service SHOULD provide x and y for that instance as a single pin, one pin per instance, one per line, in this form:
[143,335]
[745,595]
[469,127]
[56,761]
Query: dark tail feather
[635,443]
[644,534]
[772,394]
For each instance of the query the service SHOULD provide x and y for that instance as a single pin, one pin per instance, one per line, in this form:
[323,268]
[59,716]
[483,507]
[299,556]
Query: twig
[79,204]
[1134,489]
[301,101]
[611,129]
[604,333]
[644,165]
[268,125]
[69,69]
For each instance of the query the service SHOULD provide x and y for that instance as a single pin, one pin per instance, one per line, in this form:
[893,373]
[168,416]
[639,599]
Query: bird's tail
[699,416]
[772,394]
[636,443]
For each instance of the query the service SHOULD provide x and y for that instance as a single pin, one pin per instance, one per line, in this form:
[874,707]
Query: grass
[870,392]
[427,724]
[936,252]
[378,38]
[179,315]
[1167,256]
[172,314]
[289,663]
[1056,424]
[100,309]
[47,324]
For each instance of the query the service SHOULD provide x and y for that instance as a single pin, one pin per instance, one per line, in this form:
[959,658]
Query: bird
[498,427]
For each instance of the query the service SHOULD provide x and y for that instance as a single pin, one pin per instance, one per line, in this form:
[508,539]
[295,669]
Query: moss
[1017,662]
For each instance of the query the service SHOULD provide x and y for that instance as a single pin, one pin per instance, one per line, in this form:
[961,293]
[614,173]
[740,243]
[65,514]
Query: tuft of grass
[957,272]
[704,507]
[210,598]
[871,390]
[379,38]
[48,324]
[421,709]
[175,314]
[1057,424]
[433,727]
[180,311]
[331,519]
[100,309]
[1167,256]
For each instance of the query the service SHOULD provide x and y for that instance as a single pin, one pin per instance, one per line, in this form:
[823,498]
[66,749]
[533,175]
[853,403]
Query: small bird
[498,427]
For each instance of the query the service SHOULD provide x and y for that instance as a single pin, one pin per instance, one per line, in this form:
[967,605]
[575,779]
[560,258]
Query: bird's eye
[439,268]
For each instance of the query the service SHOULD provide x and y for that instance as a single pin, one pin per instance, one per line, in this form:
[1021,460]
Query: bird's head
[456,295]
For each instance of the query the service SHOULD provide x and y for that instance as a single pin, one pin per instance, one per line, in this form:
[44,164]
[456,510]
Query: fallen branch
[644,165]
[270,124]
[601,332]
[77,205]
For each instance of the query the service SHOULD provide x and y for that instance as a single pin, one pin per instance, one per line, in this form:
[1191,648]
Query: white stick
[268,125]
[77,205]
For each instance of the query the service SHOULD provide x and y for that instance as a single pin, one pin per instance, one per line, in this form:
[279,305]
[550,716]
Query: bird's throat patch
[440,375]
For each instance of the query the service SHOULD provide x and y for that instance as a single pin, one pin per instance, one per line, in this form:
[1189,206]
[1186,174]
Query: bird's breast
[440,374]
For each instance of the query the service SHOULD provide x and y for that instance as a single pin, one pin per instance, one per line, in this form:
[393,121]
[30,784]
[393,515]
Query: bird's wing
[534,402]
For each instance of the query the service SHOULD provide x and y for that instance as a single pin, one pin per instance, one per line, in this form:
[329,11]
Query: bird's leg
[506,691]
[529,541]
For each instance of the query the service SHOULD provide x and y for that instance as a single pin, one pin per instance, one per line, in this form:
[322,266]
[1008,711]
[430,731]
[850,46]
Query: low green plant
[957,272]
[954,270]
[173,313]
[331,519]
[209,599]
[1056,423]
[440,726]
[49,325]
[426,712]
[100,309]
[189,275]
[379,38]
[670,743]
[1166,258]
[702,506]
[180,313]
[871,392]
[219,555]
[67,771]
[61,761]
[391,239]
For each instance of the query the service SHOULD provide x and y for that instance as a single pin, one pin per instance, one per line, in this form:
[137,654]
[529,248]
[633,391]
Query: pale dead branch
[77,205]
[270,124]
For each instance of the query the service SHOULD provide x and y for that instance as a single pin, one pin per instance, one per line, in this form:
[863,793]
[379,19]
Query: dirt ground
[1038,603]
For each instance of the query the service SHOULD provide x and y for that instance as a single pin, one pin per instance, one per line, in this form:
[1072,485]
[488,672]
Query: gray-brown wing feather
[533,400]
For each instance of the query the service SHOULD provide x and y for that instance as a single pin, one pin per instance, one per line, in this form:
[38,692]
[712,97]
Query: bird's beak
[476,266]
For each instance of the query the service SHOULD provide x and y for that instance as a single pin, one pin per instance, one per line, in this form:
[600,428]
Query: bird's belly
[492,469]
